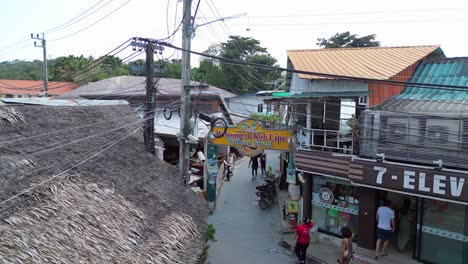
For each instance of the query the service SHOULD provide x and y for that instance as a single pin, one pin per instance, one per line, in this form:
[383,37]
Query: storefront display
[444,232]
[334,204]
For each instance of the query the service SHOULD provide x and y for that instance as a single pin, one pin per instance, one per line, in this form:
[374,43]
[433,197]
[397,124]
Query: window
[362,100]
[260,108]
[444,232]
[334,204]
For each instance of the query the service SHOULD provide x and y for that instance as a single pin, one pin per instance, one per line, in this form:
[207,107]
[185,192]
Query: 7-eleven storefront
[431,206]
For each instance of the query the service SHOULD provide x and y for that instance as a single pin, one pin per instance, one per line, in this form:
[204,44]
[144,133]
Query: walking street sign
[250,138]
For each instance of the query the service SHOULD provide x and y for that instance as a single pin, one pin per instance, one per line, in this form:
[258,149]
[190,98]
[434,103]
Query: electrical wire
[72,21]
[68,169]
[101,60]
[94,23]
[409,127]
[343,77]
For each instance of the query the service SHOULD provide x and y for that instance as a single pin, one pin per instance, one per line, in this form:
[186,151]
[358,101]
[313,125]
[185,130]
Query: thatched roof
[120,206]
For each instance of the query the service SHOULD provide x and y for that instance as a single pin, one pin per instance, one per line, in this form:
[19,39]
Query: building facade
[412,150]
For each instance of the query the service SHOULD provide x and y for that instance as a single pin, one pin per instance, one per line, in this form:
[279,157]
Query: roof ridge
[362,48]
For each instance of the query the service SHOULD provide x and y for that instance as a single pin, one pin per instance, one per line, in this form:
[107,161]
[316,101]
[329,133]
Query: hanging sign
[250,138]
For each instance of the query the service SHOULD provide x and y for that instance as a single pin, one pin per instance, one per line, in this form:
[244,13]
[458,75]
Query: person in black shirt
[263,163]
[254,164]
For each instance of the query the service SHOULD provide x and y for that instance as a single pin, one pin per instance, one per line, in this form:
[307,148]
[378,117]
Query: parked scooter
[269,186]
[265,199]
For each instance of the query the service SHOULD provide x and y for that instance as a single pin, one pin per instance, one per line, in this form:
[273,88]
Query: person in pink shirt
[303,239]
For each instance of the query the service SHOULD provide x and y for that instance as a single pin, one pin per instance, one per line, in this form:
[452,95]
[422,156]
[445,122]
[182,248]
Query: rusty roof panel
[374,63]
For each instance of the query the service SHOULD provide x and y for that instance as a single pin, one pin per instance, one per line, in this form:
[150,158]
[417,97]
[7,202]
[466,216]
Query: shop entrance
[405,207]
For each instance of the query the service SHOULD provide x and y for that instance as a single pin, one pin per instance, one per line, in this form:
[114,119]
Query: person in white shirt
[385,227]
[227,166]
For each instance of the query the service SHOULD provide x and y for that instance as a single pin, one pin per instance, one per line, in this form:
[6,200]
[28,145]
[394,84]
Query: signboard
[293,206]
[448,184]
[326,195]
[291,175]
[294,192]
[250,138]
[212,171]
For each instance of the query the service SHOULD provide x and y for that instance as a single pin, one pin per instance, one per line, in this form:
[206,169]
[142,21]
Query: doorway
[405,207]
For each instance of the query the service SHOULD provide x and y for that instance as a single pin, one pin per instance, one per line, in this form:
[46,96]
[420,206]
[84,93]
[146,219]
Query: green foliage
[209,72]
[346,40]
[70,68]
[210,232]
[21,70]
[271,120]
[237,78]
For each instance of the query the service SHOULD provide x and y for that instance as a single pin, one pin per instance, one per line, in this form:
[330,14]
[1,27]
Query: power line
[94,23]
[334,76]
[72,21]
[89,66]
[68,169]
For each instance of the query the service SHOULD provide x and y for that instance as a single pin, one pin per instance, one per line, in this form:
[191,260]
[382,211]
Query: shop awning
[316,95]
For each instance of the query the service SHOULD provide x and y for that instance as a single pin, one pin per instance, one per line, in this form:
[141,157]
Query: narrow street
[244,232]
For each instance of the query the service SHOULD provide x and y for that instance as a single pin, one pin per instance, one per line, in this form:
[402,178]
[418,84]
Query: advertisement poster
[291,175]
[212,169]
[250,138]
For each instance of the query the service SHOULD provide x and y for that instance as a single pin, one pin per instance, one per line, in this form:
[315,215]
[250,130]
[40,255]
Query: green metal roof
[452,71]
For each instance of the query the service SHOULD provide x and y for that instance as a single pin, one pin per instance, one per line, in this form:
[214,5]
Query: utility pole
[150,99]
[44,52]
[184,158]
[150,71]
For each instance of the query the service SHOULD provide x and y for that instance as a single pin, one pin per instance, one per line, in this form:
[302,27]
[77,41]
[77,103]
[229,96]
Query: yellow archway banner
[250,138]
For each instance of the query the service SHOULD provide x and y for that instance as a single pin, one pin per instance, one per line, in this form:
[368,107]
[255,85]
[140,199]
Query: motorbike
[269,186]
[265,200]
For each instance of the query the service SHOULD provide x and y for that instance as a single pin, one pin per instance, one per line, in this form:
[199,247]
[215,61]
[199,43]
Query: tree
[346,40]
[240,78]
[209,72]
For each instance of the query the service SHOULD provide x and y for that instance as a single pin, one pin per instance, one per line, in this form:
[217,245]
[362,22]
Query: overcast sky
[279,25]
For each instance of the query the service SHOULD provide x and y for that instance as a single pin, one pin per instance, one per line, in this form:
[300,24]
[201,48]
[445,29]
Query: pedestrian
[385,227]
[263,162]
[228,163]
[346,249]
[303,239]
[254,164]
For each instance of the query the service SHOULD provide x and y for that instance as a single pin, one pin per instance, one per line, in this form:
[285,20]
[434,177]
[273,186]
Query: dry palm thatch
[10,115]
[78,222]
[126,207]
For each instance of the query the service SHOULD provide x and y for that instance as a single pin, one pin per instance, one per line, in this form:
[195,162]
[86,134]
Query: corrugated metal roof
[131,85]
[62,102]
[453,71]
[31,87]
[375,62]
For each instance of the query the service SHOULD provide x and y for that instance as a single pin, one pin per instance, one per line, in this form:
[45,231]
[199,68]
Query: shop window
[444,232]
[334,204]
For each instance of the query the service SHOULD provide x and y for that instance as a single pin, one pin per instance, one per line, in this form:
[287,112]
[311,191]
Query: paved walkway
[244,232]
[325,248]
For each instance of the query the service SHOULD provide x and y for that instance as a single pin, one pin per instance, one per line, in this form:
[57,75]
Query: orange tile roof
[374,63]
[30,87]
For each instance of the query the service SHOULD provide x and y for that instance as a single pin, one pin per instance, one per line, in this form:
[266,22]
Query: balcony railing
[325,140]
